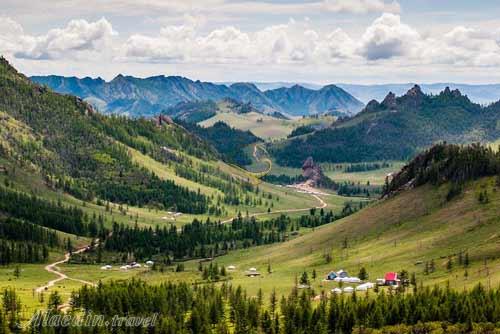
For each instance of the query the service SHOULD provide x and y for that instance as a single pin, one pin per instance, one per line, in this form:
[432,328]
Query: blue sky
[320,41]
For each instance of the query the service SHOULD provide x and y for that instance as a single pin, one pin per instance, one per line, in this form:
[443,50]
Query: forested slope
[396,129]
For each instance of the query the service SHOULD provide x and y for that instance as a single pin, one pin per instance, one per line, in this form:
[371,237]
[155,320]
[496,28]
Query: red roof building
[391,276]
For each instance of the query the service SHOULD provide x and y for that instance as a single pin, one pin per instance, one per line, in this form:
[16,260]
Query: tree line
[211,309]
[447,163]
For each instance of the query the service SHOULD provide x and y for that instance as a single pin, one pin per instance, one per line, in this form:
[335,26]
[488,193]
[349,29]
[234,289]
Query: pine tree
[363,275]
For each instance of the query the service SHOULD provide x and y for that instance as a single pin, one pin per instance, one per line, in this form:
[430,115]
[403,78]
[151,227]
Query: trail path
[322,204]
[266,160]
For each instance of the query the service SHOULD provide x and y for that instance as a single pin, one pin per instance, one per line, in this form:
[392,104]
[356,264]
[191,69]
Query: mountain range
[395,128]
[146,97]
[482,94]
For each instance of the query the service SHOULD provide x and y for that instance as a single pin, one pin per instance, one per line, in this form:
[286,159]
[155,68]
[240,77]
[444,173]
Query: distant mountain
[263,86]
[482,94]
[396,128]
[146,97]
[298,100]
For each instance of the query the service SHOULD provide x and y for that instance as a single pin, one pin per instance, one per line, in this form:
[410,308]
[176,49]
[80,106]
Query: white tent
[149,263]
[106,267]
[125,267]
[337,291]
[365,286]
[231,267]
[347,279]
[348,289]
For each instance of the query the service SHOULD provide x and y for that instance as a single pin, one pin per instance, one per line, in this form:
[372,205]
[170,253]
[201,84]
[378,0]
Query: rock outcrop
[313,173]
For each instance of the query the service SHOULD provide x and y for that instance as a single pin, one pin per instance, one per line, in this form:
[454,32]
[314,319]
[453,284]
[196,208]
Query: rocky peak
[415,91]
[390,101]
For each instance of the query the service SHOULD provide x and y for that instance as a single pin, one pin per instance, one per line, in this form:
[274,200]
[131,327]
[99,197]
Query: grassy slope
[392,235]
[270,128]
[389,236]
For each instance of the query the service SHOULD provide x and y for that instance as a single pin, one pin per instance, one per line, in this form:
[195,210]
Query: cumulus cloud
[79,36]
[362,6]
[291,42]
[387,41]
[387,37]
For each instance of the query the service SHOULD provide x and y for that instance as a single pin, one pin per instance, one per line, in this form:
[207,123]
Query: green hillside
[395,129]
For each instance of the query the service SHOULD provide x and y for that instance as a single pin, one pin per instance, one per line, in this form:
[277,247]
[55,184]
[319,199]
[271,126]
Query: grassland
[264,126]
[399,233]
[392,235]
[338,173]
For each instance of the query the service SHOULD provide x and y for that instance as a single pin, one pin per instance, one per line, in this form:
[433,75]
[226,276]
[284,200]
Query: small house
[391,279]
[331,276]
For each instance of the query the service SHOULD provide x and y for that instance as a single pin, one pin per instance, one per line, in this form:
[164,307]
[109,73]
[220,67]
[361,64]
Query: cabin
[391,279]
[341,274]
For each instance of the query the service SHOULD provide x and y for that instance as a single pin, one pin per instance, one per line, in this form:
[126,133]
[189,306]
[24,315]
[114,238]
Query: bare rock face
[164,120]
[312,172]
[390,101]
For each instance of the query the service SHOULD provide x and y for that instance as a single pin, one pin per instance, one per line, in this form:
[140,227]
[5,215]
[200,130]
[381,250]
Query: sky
[316,41]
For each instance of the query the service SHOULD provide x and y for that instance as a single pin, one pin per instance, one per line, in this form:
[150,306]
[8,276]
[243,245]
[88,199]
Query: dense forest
[395,129]
[213,238]
[226,309]
[230,142]
[42,212]
[447,163]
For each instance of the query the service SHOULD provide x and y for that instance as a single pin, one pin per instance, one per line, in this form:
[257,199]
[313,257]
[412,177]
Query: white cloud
[79,36]
[387,42]
[362,6]
[387,37]
[9,32]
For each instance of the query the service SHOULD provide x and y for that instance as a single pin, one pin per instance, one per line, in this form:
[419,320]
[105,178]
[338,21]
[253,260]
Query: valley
[220,196]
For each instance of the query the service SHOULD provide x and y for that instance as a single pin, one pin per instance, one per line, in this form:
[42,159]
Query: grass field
[403,232]
[389,236]
[338,173]
[264,126]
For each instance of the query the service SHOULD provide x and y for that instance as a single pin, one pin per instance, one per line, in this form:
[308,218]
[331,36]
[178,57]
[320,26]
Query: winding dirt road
[52,268]
[322,205]
[266,160]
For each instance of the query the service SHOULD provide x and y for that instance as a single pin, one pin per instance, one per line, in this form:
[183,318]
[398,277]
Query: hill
[395,129]
[149,96]
[410,230]
[228,141]
[141,164]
